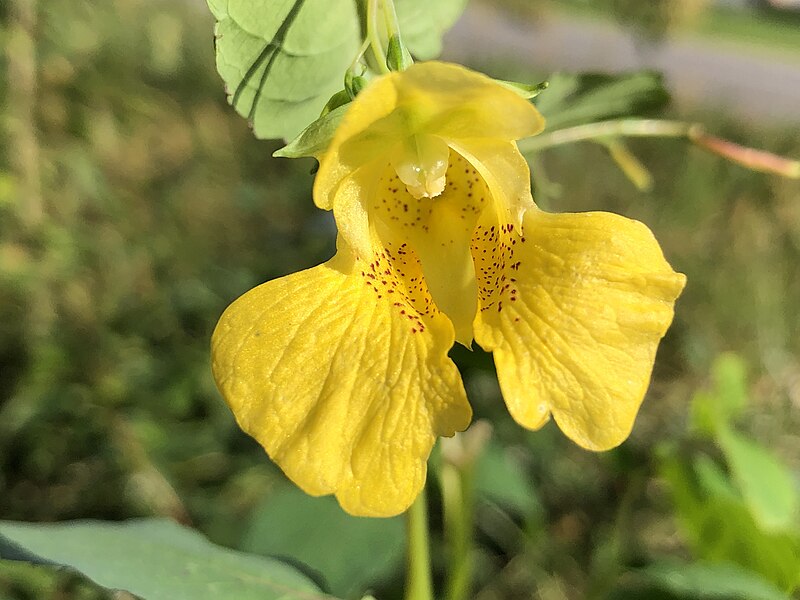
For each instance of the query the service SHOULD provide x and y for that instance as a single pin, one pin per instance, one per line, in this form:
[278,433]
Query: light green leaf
[423,22]
[314,139]
[704,581]
[729,373]
[155,559]
[587,98]
[720,528]
[282,60]
[768,488]
[713,411]
[349,552]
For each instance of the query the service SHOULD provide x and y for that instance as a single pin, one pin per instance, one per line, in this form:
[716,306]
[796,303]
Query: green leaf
[500,478]
[729,373]
[768,488]
[720,528]
[349,552]
[713,411]
[423,22]
[155,559]
[587,98]
[704,581]
[282,60]
[526,90]
[314,139]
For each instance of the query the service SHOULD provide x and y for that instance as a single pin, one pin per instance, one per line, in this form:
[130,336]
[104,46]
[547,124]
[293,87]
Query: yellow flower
[341,371]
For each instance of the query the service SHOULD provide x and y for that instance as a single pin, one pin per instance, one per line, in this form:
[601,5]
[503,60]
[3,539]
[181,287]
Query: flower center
[421,164]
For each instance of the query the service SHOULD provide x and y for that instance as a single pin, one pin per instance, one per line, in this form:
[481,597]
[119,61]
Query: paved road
[753,83]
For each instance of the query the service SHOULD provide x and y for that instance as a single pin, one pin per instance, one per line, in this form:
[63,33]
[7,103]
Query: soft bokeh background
[135,205]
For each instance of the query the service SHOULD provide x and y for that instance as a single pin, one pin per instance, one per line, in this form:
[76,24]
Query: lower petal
[574,318]
[345,390]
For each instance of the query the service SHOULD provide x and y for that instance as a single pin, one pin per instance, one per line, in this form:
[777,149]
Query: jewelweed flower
[341,371]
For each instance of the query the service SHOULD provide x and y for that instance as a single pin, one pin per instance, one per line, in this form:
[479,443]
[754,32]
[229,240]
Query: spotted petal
[341,373]
[573,310]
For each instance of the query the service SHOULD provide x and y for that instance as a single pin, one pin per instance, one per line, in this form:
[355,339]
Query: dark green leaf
[349,552]
[155,559]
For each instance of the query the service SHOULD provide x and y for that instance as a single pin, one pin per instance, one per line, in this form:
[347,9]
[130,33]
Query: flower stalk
[419,585]
[750,158]
[374,36]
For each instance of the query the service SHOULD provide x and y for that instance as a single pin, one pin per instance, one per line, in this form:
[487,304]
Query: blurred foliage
[159,208]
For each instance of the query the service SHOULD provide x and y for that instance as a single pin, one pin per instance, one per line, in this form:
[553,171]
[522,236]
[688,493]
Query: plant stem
[374,37]
[390,14]
[419,585]
[750,158]
[458,507]
[606,129]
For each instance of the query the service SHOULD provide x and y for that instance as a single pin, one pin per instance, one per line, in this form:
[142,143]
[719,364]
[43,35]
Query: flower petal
[439,230]
[433,98]
[573,311]
[345,384]
[505,172]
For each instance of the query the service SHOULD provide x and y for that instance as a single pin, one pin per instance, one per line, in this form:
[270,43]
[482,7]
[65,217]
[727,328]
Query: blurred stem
[22,90]
[390,14]
[750,158]
[458,501]
[397,55]
[419,585]
[609,129]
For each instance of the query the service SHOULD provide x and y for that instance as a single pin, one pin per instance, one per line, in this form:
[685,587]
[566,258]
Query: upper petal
[342,379]
[574,311]
[433,98]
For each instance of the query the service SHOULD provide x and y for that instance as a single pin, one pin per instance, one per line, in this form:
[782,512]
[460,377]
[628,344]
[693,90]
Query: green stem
[459,507]
[390,14]
[751,158]
[374,37]
[419,585]
[606,129]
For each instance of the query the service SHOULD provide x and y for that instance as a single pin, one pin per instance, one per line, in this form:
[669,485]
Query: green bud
[397,56]
[353,84]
